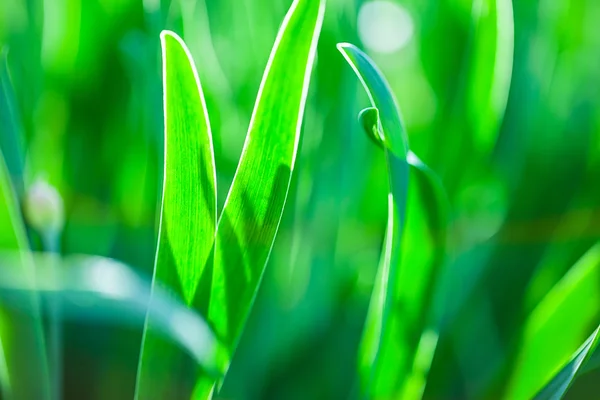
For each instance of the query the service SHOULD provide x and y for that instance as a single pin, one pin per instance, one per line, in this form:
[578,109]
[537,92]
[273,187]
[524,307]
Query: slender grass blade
[187,222]
[254,206]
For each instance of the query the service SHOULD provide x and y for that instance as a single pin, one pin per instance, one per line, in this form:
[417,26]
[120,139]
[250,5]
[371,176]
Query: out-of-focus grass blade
[410,353]
[555,329]
[94,288]
[255,203]
[423,255]
[187,220]
[491,70]
[560,384]
[11,139]
[21,334]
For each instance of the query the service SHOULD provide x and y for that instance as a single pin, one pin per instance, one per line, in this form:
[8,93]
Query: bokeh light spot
[384,26]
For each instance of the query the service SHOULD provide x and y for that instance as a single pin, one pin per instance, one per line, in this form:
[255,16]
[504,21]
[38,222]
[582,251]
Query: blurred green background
[518,156]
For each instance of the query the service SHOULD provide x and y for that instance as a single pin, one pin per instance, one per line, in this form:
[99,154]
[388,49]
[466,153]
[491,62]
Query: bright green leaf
[187,220]
[253,209]
[189,206]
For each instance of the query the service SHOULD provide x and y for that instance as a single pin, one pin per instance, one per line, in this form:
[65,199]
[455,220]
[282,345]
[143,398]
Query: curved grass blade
[381,97]
[554,330]
[94,288]
[187,220]
[408,357]
[386,123]
[254,206]
[21,336]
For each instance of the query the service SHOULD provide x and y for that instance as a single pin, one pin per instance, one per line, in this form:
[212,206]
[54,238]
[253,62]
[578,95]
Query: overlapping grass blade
[560,384]
[25,374]
[398,326]
[253,209]
[555,329]
[187,220]
[224,290]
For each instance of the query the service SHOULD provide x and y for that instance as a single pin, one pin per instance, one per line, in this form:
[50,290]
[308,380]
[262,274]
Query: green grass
[225,260]
[174,226]
[400,337]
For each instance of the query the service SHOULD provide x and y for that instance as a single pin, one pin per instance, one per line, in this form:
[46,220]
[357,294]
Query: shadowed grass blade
[187,220]
[255,203]
[556,328]
[22,343]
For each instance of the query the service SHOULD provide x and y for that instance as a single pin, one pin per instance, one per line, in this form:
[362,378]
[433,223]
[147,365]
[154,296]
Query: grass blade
[554,330]
[255,203]
[386,123]
[394,340]
[21,335]
[187,220]
[189,208]
[491,70]
[424,253]
[381,97]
